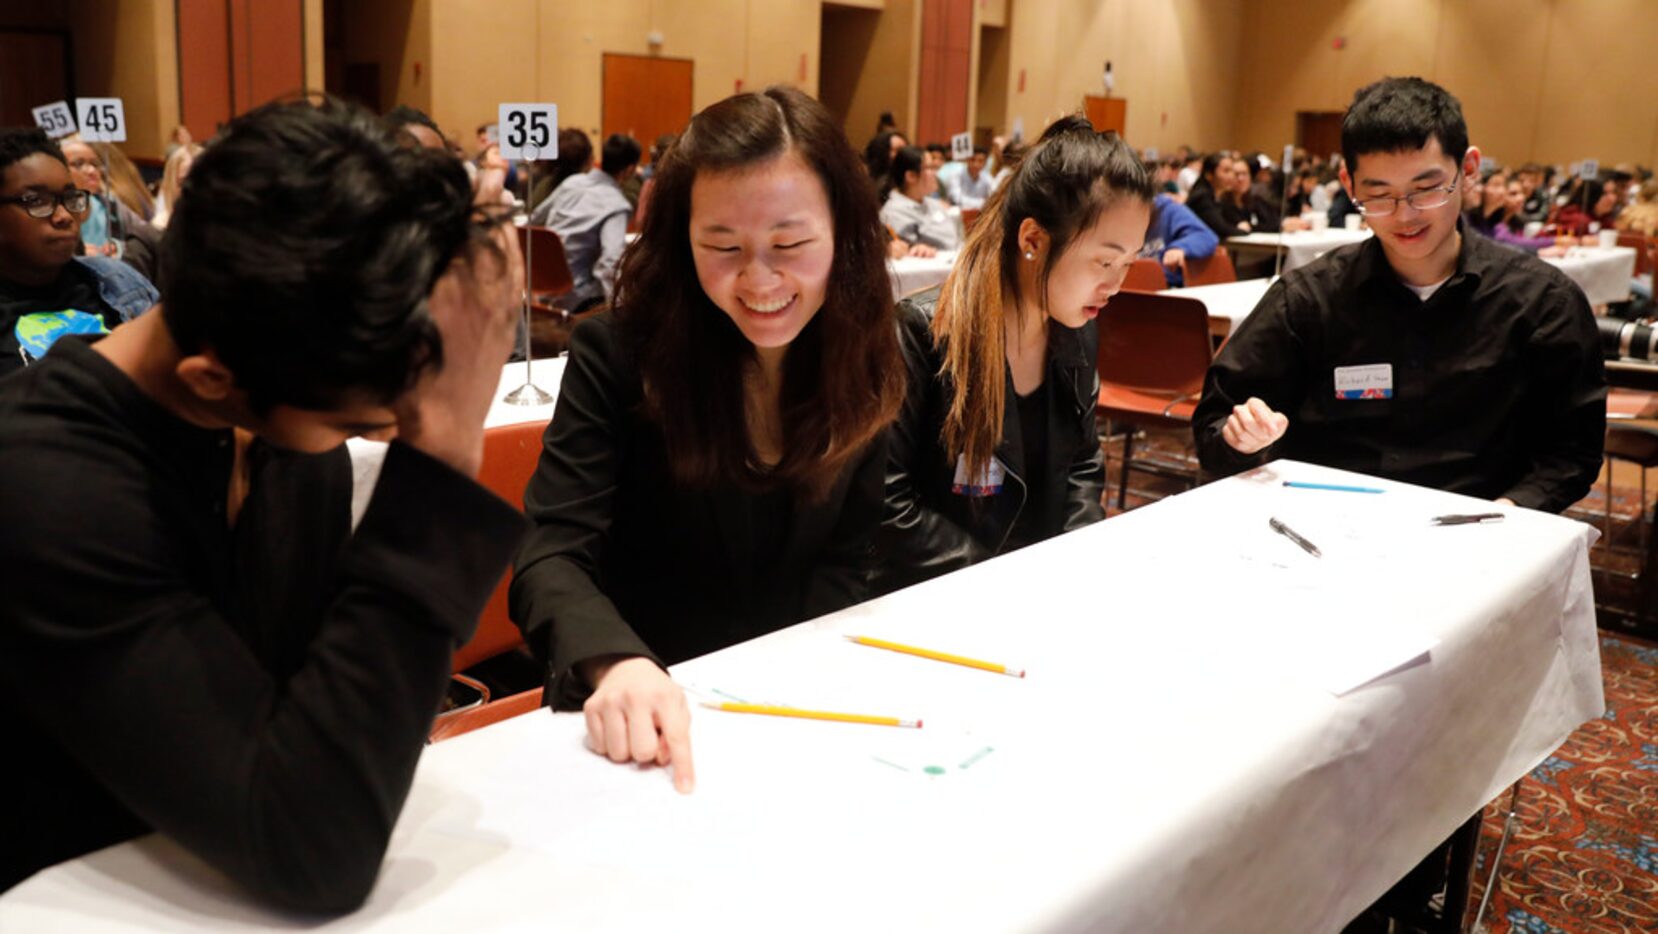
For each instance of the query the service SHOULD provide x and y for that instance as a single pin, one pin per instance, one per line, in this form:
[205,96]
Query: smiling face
[1419,243]
[34,249]
[1095,263]
[762,238]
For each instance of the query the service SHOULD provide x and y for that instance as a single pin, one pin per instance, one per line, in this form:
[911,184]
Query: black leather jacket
[926,529]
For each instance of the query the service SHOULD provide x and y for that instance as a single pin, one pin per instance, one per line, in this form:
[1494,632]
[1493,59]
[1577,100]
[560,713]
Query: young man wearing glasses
[1426,354]
[47,289]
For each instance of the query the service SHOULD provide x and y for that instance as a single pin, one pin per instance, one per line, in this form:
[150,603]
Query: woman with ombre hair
[996,446]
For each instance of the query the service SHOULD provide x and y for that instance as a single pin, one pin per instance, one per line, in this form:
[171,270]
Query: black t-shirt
[1033,524]
[76,289]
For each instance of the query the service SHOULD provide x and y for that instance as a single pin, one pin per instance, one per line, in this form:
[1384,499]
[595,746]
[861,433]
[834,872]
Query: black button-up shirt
[1497,385]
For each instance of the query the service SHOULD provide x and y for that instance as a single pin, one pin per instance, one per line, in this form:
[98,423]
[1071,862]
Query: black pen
[1468,519]
[1293,536]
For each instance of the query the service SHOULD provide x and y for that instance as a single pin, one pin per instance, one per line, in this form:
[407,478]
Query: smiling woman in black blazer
[713,470]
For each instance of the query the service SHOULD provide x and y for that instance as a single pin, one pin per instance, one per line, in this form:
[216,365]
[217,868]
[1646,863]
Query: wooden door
[234,55]
[34,69]
[1318,132]
[644,97]
[1106,113]
[945,71]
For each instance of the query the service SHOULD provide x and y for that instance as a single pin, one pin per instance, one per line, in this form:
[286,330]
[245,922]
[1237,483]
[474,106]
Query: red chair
[1146,275]
[547,273]
[1643,246]
[969,216]
[510,457]
[1154,353]
[637,221]
[1211,270]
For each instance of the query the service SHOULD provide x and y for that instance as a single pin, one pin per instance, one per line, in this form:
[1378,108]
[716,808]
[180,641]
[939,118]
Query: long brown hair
[842,376]
[1063,183]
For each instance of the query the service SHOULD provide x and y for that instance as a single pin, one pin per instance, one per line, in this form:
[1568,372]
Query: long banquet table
[1218,732]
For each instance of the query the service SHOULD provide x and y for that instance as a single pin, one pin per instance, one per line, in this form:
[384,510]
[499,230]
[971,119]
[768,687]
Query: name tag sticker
[1371,381]
[989,484]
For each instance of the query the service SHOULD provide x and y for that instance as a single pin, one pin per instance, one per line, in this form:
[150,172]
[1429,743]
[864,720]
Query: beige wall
[130,50]
[396,35]
[485,52]
[875,66]
[1176,62]
[1550,80]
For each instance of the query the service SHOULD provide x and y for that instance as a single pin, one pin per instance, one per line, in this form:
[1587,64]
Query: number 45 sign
[529,132]
[102,119]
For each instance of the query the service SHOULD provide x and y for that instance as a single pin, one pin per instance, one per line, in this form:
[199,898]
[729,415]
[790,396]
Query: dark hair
[1399,114]
[843,380]
[19,143]
[575,154]
[303,250]
[878,154]
[663,143]
[1064,183]
[621,151]
[1211,162]
[938,147]
[981,151]
[402,115]
[904,161]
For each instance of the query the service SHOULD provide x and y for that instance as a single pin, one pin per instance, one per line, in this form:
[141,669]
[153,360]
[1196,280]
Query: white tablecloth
[1603,272]
[1228,301]
[1300,247]
[546,374]
[1171,763]
[912,274]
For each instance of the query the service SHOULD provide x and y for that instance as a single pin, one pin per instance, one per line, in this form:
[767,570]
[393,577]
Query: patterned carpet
[1584,855]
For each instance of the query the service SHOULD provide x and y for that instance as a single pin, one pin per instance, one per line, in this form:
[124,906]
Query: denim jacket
[125,289]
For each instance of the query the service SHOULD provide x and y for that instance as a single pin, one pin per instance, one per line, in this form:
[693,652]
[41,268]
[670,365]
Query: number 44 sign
[102,119]
[55,119]
[529,132]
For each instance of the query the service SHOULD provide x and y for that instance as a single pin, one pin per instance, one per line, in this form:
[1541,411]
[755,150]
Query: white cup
[1533,228]
[1608,239]
[1352,221]
[1318,220]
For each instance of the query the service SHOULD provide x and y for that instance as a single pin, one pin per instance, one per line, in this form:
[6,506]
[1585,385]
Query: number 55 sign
[529,132]
[55,119]
[102,119]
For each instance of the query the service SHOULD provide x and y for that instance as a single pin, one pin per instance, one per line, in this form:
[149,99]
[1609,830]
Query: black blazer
[623,561]
[927,529]
[1221,216]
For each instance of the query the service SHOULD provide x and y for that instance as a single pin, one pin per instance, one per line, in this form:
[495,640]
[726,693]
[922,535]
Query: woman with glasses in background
[47,288]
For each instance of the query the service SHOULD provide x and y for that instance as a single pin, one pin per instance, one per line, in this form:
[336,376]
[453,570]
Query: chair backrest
[638,219]
[1643,250]
[1211,270]
[511,453]
[547,272]
[1156,343]
[1146,275]
[969,216]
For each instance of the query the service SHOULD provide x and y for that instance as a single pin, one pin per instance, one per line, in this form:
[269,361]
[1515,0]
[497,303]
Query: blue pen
[1331,486]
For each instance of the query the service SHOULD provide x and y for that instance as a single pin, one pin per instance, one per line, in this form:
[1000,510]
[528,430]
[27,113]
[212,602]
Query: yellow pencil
[938,656]
[774,711]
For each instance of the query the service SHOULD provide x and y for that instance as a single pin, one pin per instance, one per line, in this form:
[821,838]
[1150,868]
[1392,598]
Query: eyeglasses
[1425,200]
[74,200]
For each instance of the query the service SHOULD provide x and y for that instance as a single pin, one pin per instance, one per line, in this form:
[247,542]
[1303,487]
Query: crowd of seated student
[752,390]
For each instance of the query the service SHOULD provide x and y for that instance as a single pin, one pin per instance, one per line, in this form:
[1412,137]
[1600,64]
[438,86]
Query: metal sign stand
[529,393]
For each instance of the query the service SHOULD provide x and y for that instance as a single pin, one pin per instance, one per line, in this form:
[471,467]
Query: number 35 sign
[529,132]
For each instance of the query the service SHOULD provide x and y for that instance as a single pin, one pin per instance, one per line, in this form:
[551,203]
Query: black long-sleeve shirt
[624,560]
[1498,384]
[258,692]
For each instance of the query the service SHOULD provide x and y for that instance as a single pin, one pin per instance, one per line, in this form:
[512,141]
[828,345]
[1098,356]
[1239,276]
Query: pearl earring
[1029,255]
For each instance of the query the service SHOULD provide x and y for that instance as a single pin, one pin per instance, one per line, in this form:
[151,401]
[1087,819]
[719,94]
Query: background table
[1172,762]
[547,374]
[912,273]
[1228,303]
[1604,273]
[1300,247]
